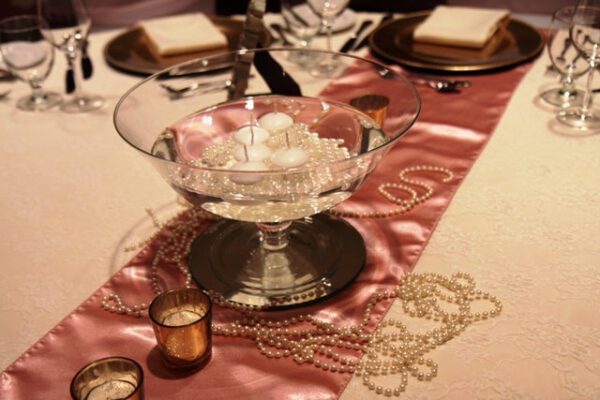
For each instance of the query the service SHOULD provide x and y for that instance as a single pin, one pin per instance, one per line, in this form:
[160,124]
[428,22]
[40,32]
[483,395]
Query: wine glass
[66,24]
[566,59]
[304,24]
[585,34]
[270,163]
[29,57]
[328,10]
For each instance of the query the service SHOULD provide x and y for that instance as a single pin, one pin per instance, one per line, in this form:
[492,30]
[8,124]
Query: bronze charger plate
[393,41]
[130,52]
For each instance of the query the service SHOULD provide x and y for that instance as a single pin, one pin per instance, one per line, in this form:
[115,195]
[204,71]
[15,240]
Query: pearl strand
[339,349]
[407,186]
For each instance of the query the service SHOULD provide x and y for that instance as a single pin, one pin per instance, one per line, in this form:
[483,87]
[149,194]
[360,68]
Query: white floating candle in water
[290,157]
[248,178]
[251,135]
[275,121]
[258,152]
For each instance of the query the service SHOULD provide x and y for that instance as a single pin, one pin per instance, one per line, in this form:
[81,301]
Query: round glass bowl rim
[36,23]
[390,142]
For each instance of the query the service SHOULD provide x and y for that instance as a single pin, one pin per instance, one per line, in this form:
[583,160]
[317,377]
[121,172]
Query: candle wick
[287,139]
[246,153]
[251,135]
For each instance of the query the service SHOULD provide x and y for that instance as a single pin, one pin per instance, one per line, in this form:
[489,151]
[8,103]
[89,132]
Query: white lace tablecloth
[525,223]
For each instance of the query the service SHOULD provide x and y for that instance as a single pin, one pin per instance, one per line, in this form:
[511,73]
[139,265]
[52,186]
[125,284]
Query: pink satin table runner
[451,132]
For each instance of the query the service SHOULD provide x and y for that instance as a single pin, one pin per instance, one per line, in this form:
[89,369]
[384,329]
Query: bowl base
[323,256]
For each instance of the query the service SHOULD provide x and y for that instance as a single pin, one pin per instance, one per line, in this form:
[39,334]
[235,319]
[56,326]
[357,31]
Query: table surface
[524,223]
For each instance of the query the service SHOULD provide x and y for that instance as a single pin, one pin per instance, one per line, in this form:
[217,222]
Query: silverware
[350,42]
[208,86]
[441,85]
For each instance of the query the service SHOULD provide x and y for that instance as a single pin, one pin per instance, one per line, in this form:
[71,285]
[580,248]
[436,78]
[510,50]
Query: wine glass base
[304,58]
[83,103]
[574,117]
[43,102]
[563,98]
[329,67]
[323,256]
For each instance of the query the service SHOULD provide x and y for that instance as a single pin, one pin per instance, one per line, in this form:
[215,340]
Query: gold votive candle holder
[109,378]
[375,106]
[181,321]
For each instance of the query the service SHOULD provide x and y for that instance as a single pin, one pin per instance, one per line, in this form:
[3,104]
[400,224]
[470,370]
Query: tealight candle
[247,178]
[251,135]
[275,121]
[290,157]
[181,323]
[258,152]
[107,379]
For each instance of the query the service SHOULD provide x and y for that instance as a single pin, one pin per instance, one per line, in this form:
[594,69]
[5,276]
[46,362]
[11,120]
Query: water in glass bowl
[269,159]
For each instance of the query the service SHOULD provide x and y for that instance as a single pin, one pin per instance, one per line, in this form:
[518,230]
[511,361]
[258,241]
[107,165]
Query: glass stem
[74,60]
[588,96]
[37,95]
[567,83]
[274,235]
[328,24]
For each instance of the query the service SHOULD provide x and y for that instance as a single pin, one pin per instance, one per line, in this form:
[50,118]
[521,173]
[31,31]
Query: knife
[350,42]
[365,40]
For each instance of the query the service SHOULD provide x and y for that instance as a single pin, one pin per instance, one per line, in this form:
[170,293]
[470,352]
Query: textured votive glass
[181,322]
[375,106]
[109,378]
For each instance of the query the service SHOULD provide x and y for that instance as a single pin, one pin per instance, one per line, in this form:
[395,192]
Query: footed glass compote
[257,140]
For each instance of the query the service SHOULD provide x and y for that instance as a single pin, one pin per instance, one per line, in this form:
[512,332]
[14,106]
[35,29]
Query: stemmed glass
[566,59]
[66,24]
[585,35]
[304,24]
[328,10]
[29,57]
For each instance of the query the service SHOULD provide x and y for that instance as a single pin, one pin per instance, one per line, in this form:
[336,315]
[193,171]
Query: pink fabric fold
[452,131]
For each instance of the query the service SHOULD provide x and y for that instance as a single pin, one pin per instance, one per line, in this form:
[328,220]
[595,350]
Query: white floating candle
[275,121]
[258,152]
[251,135]
[289,157]
[248,178]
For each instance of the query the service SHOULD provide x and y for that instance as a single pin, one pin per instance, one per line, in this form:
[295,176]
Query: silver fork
[176,92]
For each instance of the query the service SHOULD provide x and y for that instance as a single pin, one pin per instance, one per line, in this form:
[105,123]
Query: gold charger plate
[394,41]
[129,51]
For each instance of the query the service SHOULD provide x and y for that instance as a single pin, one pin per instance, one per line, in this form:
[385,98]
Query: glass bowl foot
[323,255]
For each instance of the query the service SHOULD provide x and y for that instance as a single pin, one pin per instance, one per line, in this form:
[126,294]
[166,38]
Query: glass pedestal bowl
[252,138]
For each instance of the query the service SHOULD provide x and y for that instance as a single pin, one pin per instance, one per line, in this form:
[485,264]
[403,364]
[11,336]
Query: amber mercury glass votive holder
[109,378]
[181,321]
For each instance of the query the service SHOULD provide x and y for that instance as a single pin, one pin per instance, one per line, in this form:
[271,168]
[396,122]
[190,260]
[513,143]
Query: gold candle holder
[109,378]
[375,106]
[181,322]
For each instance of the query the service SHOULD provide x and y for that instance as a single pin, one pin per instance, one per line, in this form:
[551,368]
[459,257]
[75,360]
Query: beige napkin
[182,34]
[461,26]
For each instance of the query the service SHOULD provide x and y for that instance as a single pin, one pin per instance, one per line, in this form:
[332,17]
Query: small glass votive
[181,321]
[375,106]
[109,378]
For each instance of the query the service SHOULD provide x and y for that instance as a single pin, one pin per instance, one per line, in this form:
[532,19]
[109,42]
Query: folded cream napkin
[461,26]
[182,34]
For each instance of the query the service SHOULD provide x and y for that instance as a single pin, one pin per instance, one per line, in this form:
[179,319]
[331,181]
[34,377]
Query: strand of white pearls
[390,350]
[174,245]
[407,185]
